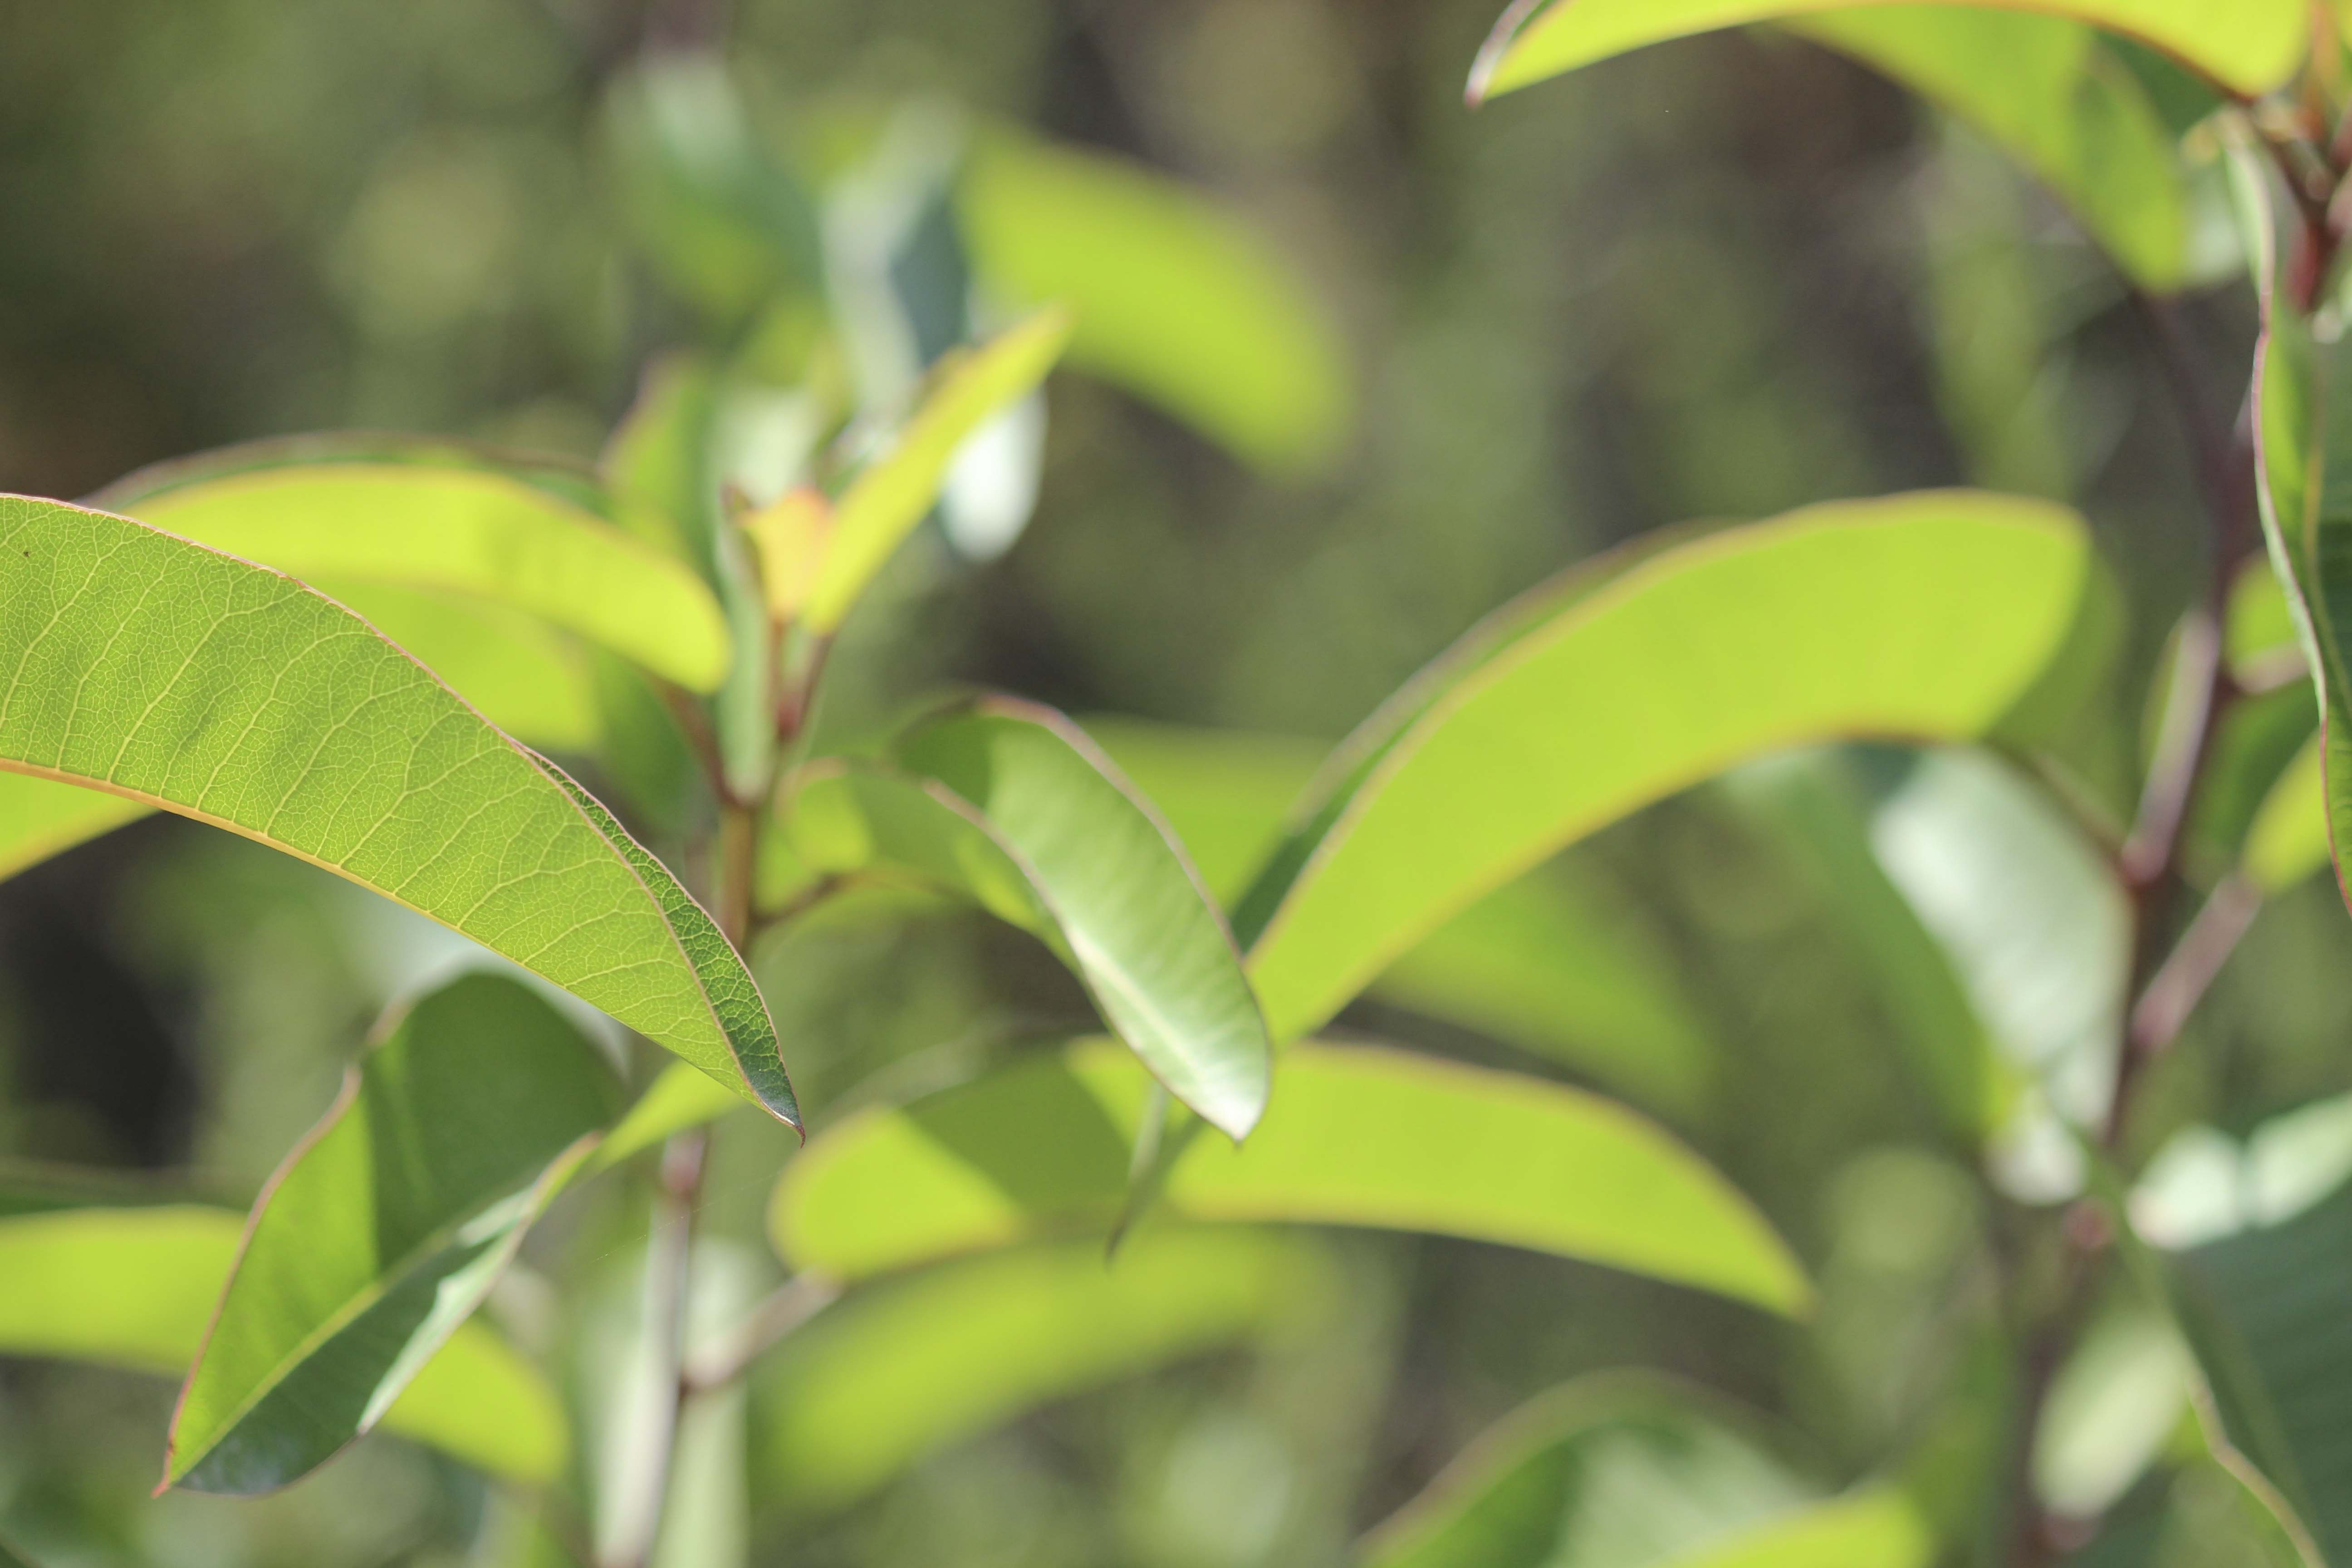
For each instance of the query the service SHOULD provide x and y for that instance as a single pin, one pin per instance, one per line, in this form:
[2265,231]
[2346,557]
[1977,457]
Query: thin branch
[786,1309]
[2164,1007]
[645,1485]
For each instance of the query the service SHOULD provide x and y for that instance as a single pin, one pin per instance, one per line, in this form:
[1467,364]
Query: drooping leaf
[1920,616]
[906,1367]
[386,1227]
[1175,299]
[1629,1471]
[2250,45]
[164,672]
[2044,88]
[2302,412]
[1356,1137]
[1543,963]
[136,1289]
[465,530]
[1008,805]
[892,493]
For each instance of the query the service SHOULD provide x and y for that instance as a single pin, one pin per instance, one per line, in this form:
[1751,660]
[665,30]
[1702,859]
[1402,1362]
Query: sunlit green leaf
[1917,617]
[1175,299]
[465,530]
[2250,45]
[2046,90]
[1542,963]
[909,1367]
[2288,840]
[386,1227]
[892,493]
[136,1288]
[1010,806]
[164,672]
[1623,1471]
[1356,1137]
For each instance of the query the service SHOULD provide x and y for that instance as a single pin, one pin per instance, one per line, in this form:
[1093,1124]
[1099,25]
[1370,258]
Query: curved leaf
[1922,617]
[2045,90]
[892,493]
[166,673]
[1356,1137]
[2288,840]
[136,1289]
[1175,300]
[2250,45]
[386,1227]
[1542,963]
[468,530]
[911,1365]
[1008,805]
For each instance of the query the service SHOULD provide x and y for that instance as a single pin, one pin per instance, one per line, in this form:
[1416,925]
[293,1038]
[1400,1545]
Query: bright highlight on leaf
[136,1288]
[1356,1137]
[907,1367]
[164,672]
[1175,299]
[891,494]
[1921,616]
[1007,804]
[386,1227]
[2249,46]
[463,530]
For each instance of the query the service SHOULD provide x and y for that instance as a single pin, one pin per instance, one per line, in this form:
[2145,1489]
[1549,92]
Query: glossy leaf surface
[1364,1137]
[163,672]
[2251,46]
[386,1227]
[136,1288]
[891,493]
[1175,299]
[906,1367]
[457,529]
[1920,616]
[1010,806]
[1544,963]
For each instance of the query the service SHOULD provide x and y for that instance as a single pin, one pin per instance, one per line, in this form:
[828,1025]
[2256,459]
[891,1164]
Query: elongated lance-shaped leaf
[906,1367]
[1177,301]
[1548,964]
[1925,616]
[890,494]
[386,1227]
[2248,46]
[2302,412]
[135,1288]
[1008,805]
[466,529]
[2048,91]
[1356,1137]
[156,669]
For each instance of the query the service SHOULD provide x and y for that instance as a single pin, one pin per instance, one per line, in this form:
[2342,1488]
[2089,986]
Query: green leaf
[2048,92]
[2288,840]
[1545,963]
[1008,805]
[166,673]
[911,1365]
[39,818]
[462,530]
[1916,617]
[1356,1137]
[2249,46]
[135,1288]
[1632,1471]
[892,493]
[1175,299]
[386,1227]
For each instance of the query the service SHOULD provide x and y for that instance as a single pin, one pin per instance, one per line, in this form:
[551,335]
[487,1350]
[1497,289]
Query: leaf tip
[1492,53]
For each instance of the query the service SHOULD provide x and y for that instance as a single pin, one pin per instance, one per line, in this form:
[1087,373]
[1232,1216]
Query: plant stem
[669,1266]
[2165,981]
[786,1309]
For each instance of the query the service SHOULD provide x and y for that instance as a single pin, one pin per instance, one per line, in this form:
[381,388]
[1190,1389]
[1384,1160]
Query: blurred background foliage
[1718,278]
